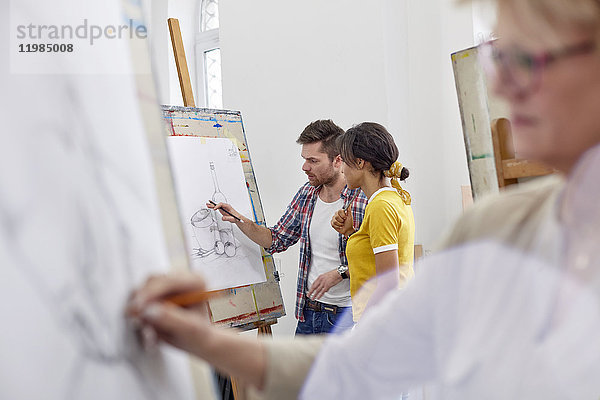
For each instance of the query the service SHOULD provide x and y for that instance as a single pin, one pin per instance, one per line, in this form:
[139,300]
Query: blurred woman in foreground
[471,324]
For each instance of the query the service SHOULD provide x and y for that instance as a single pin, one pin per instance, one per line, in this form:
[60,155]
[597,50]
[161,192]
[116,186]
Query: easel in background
[262,322]
[508,168]
[488,139]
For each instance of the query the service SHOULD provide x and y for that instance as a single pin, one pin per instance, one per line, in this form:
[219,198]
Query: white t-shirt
[325,257]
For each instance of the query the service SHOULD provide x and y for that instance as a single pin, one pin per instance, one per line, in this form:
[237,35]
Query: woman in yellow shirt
[384,244]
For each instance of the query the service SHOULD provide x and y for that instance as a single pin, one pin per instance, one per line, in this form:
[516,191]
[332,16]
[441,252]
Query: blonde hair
[581,15]
[551,17]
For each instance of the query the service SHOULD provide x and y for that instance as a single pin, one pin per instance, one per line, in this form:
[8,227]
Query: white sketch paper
[79,227]
[210,169]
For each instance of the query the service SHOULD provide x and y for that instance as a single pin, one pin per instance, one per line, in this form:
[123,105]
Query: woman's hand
[185,328]
[342,222]
[189,328]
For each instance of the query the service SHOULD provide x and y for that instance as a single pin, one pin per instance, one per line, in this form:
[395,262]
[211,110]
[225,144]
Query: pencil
[225,211]
[190,298]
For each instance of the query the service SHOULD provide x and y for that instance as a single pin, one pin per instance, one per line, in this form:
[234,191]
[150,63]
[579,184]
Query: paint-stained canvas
[210,169]
[241,307]
[478,107]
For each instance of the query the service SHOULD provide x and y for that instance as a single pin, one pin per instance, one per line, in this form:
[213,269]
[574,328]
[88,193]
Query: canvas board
[242,307]
[80,224]
[478,107]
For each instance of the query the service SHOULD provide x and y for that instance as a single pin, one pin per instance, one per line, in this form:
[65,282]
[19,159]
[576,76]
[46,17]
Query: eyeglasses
[522,69]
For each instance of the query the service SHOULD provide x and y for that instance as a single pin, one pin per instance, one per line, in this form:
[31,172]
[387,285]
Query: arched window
[208,54]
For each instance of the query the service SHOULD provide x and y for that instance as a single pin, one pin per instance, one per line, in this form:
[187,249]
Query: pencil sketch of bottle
[224,240]
[222,231]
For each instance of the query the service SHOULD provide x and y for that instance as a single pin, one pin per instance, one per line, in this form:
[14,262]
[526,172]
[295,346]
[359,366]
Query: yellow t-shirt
[388,224]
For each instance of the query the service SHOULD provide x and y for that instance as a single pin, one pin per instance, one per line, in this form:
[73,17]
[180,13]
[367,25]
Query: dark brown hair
[324,131]
[371,142]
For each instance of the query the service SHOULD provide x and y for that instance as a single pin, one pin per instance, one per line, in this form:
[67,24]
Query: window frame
[205,41]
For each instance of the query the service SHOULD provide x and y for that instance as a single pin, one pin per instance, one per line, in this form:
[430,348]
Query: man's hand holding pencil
[229,214]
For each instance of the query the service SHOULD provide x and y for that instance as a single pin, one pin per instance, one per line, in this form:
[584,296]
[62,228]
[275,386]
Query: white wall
[284,68]
[484,20]
[288,63]
[185,11]
[163,60]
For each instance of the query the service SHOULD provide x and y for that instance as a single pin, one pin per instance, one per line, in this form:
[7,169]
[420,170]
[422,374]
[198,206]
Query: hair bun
[404,174]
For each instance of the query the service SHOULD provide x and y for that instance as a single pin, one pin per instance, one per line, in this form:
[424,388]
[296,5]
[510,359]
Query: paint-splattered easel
[263,326]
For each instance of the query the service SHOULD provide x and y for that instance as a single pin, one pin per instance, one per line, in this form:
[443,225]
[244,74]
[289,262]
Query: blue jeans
[316,322]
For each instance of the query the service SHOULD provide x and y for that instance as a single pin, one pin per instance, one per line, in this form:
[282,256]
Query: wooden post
[509,168]
[418,251]
[180,60]
[467,196]
[265,330]
[503,148]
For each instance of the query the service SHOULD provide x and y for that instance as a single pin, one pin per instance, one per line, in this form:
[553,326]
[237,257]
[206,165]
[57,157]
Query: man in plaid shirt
[323,292]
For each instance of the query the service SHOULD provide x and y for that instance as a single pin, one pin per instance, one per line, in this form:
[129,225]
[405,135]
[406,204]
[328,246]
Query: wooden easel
[263,327]
[508,168]
[182,68]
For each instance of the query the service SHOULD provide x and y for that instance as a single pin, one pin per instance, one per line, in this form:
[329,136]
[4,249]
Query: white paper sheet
[210,169]
[79,225]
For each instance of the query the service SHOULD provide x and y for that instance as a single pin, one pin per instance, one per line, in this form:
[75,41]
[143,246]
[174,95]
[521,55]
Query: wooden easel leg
[238,391]
[235,388]
[180,61]
[265,330]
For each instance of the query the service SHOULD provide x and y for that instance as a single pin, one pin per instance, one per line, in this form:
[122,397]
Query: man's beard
[326,180]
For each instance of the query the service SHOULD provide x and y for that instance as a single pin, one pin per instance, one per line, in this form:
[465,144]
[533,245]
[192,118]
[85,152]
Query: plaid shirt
[294,225]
